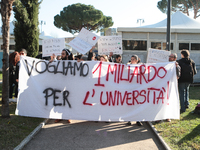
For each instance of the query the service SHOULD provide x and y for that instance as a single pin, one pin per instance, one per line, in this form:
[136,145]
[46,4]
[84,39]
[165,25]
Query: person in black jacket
[188,70]
[65,55]
[14,59]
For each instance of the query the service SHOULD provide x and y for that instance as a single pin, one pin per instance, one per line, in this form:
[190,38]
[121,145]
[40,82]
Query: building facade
[185,34]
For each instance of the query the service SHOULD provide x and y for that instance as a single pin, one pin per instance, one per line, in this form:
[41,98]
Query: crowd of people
[185,70]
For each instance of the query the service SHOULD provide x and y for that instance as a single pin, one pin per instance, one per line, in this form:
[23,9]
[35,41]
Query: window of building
[11,47]
[195,46]
[183,46]
[171,46]
[134,45]
[156,45]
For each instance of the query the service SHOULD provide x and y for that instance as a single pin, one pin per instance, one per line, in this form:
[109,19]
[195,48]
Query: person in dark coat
[188,70]
[14,59]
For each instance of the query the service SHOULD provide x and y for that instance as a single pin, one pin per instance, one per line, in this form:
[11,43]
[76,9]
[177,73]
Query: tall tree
[6,7]
[182,5]
[73,17]
[26,29]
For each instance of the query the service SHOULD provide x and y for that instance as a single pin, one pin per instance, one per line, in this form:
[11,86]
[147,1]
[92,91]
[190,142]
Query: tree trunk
[6,7]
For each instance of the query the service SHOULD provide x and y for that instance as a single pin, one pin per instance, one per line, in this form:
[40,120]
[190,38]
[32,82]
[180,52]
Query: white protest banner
[107,44]
[157,56]
[98,91]
[52,46]
[84,41]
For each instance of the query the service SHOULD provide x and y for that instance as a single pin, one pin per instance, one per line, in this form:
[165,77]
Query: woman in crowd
[104,58]
[135,60]
[14,59]
[65,55]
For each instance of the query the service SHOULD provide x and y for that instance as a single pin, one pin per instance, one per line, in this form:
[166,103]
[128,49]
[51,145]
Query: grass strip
[184,133]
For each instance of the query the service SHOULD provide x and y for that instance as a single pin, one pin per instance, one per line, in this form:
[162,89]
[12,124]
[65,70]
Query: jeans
[183,89]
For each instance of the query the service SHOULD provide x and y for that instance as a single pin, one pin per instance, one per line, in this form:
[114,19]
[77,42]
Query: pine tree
[76,16]
[26,29]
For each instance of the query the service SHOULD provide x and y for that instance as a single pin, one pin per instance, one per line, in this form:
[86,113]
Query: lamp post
[42,23]
[168,44]
[140,20]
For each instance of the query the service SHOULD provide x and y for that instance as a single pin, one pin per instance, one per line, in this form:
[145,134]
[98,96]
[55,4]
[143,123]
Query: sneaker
[129,123]
[139,123]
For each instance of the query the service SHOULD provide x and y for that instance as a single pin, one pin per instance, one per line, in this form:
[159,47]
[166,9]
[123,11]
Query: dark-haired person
[14,59]
[118,59]
[188,70]
[23,52]
[111,57]
[91,54]
[65,55]
[78,57]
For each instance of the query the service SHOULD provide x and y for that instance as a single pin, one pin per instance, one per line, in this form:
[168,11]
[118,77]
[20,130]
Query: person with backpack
[188,70]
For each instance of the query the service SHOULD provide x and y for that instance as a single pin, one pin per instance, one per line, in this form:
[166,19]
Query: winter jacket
[183,77]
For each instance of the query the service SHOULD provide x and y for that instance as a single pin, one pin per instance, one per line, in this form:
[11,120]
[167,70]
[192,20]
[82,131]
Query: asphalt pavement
[89,135]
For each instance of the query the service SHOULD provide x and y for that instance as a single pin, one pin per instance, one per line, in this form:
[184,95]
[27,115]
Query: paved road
[86,135]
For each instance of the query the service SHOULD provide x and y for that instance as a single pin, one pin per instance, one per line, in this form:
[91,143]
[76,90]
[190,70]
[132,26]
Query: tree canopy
[73,17]
[26,23]
[182,5]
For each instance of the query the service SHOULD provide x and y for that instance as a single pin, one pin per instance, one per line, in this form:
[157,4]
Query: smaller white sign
[107,44]
[52,46]
[84,41]
[156,56]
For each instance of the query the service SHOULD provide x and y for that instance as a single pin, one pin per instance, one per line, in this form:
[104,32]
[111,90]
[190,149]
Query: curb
[158,136]
[31,135]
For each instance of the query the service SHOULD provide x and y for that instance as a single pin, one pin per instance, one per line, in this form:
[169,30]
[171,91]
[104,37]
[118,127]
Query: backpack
[187,72]
[197,109]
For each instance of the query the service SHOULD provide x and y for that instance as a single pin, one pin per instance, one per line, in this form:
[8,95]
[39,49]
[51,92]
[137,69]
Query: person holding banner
[135,60]
[118,59]
[65,55]
[173,57]
[13,60]
[23,52]
[111,58]
[91,54]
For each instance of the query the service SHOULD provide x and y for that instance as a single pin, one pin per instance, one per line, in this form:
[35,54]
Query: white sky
[124,13]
